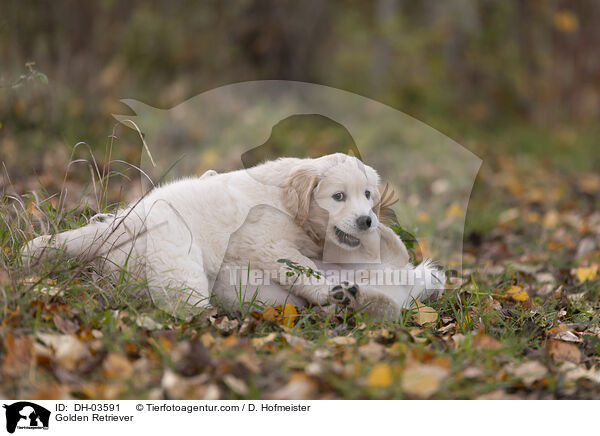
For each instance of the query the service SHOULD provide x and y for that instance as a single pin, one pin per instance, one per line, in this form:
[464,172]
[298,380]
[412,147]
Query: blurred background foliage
[517,82]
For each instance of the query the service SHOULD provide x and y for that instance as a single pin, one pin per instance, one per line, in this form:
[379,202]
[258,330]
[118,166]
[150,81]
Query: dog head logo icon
[26,415]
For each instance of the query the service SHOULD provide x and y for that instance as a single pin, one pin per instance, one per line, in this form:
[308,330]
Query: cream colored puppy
[183,236]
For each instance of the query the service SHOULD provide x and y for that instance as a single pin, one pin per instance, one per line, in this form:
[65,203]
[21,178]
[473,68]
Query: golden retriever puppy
[184,238]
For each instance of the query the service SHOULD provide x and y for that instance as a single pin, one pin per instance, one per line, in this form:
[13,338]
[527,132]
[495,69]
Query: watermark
[25,415]
[386,276]
[373,168]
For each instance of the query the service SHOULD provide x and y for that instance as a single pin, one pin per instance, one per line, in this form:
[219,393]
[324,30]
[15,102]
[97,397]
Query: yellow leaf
[423,217]
[566,21]
[454,210]
[380,376]
[585,274]
[424,315]
[551,219]
[290,314]
[517,293]
[285,316]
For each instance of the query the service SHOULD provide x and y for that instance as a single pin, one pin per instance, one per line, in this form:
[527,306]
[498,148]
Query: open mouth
[345,238]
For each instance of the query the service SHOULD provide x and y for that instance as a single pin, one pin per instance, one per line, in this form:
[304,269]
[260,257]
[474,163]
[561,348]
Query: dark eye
[338,196]
[368,194]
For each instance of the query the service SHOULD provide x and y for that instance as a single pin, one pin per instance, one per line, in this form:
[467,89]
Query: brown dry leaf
[190,357]
[372,351]
[383,336]
[448,328]
[117,366]
[261,342]
[424,315]
[484,341]
[207,340]
[423,380]
[19,354]
[574,372]
[342,340]
[173,384]
[529,372]
[177,387]
[566,336]
[380,376]
[64,325]
[235,384]
[472,372]
[250,361]
[270,313]
[227,326]
[299,387]
[296,340]
[68,350]
[561,351]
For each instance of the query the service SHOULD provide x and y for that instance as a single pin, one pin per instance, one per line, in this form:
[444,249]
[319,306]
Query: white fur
[183,237]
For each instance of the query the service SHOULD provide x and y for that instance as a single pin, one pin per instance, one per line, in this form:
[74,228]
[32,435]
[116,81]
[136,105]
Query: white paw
[344,294]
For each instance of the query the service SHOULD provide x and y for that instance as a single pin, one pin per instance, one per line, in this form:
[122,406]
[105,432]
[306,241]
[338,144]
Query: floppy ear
[297,191]
[386,198]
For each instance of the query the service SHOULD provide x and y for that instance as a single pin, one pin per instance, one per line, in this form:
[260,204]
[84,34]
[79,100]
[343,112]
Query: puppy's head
[334,197]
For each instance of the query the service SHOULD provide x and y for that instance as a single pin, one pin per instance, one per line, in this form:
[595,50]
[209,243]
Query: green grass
[491,331]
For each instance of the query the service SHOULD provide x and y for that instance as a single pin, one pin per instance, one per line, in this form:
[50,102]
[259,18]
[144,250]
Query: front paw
[344,294]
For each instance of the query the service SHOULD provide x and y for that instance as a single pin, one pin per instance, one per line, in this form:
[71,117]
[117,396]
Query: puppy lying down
[257,234]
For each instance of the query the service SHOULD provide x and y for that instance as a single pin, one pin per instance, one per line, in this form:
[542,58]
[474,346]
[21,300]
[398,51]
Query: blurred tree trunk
[385,11]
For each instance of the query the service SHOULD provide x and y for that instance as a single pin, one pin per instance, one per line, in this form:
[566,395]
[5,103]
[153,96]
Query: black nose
[363,222]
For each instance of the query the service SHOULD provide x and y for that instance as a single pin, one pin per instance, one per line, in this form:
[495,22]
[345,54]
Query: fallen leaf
[342,340]
[147,323]
[372,351]
[296,340]
[575,372]
[423,380]
[235,384]
[380,376]
[117,366]
[261,342]
[517,293]
[270,313]
[190,358]
[282,315]
[68,350]
[299,387]
[290,315]
[454,210]
[424,315]
[65,326]
[19,354]
[561,351]
[528,372]
[567,336]
[486,342]
[584,274]
[227,326]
